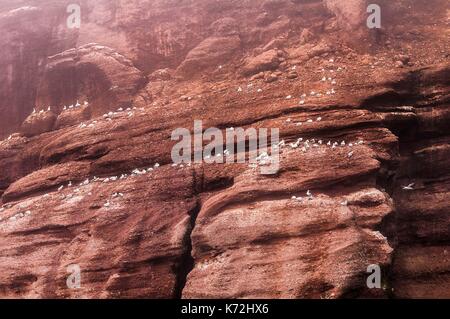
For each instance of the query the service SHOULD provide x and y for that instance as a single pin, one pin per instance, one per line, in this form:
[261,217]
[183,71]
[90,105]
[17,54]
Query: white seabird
[409,187]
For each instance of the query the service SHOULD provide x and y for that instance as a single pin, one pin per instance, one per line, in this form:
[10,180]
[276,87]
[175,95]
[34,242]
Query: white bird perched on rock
[60,188]
[259,90]
[10,137]
[120,109]
[350,154]
[86,103]
[409,187]
[288,97]
[156,165]
[309,194]
[343,143]
[34,111]
[301,102]
[71,106]
[239,89]
[78,104]
[41,111]
[324,79]
[64,108]
[319,119]
[70,184]
[309,121]
[49,108]
[329,143]
[344,203]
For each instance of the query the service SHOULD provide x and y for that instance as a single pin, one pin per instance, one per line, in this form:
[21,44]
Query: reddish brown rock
[100,191]
[38,123]
[93,73]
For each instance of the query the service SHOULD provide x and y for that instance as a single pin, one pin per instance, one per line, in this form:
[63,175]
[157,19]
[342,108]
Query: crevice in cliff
[186,263]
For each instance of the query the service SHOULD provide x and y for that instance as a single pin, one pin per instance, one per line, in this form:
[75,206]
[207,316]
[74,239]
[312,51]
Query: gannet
[64,108]
[344,203]
[288,97]
[343,143]
[329,143]
[156,165]
[86,103]
[34,111]
[60,188]
[10,137]
[49,108]
[309,121]
[288,120]
[302,102]
[324,79]
[70,184]
[78,104]
[71,106]
[410,187]
[350,154]
[319,119]
[119,109]
[259,90]
[41,111]
[309,194]
[107,204]
[239,89]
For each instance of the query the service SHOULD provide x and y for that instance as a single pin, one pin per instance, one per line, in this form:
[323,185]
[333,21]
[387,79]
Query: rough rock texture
[94,185]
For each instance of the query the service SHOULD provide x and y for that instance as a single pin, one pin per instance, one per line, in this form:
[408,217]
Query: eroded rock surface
[364,172]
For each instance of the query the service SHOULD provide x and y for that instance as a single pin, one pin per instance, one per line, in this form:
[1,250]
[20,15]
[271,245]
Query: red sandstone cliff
[147,67]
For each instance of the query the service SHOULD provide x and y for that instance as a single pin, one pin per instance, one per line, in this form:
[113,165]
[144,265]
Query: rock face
[364,158]
[91,73]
